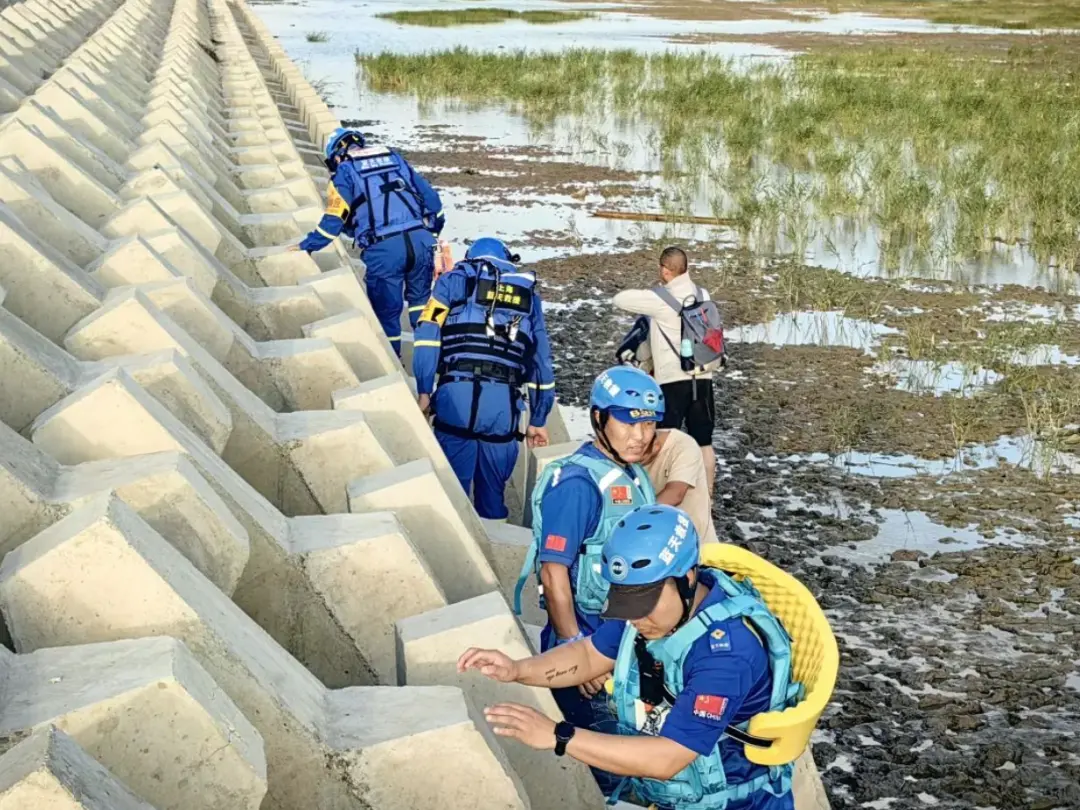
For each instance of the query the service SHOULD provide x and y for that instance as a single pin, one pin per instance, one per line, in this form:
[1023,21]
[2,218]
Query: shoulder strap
[668,298]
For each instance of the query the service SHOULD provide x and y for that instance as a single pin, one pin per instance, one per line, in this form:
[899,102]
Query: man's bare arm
[673,493]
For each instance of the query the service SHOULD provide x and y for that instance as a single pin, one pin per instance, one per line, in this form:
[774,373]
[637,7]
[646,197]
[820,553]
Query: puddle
[928,377]
[814,329]
[1011,451]
[901,530]
[514,215]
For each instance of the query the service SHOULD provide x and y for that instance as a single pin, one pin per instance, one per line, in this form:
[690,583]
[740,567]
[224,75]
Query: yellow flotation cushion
[815,656]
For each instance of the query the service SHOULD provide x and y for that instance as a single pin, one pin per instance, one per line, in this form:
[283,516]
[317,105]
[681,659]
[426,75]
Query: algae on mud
[442,18]
[948,157]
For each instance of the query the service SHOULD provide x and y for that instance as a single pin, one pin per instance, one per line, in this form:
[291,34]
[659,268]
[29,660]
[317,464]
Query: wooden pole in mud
[648,216]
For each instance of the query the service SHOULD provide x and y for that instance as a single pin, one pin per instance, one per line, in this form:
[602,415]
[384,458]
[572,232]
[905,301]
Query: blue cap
[646,548]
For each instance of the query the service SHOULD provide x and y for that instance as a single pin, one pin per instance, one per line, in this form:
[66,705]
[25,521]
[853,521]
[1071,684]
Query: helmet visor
[631,602]
[631,416]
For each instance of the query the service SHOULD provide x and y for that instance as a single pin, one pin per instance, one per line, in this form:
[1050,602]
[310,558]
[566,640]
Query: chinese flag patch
[555,542]
[709,707]
[620,495]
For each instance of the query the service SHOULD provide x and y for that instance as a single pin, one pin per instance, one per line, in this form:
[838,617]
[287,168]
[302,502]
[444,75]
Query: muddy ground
[953,586]
[958,685]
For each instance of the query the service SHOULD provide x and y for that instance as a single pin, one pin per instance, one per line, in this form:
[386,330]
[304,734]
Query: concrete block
[49,771]
[415,494]
[806,786]
[347,749]
[370,575]
[428,649]
[396,743]
[165,489]
[508,544]
[146,710]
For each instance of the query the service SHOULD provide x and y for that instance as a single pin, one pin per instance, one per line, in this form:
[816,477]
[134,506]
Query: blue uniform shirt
[570,514]
[341,195]
[724,682]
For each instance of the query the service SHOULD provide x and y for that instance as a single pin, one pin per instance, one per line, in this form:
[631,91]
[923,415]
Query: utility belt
[483,370]
[364,244]
[478,372]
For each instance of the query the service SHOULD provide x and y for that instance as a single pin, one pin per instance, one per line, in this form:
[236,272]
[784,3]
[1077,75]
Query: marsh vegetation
[946,158]
[442,18]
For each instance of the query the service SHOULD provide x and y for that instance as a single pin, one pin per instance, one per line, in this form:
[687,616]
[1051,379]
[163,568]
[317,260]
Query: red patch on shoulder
[710,707]
[620,495]
[555,542]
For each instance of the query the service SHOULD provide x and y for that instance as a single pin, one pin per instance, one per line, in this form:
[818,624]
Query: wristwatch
[564,732]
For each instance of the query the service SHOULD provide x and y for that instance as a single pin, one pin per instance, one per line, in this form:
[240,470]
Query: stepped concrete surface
[322,747]
[428,648]
[49,771]
[235,560]
[145,710]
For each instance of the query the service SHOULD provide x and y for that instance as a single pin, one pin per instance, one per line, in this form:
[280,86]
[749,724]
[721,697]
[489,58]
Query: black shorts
[682,411]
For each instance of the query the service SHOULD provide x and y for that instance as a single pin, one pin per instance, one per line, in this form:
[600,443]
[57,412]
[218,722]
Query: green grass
[317,36]
[478,16]
[945,156]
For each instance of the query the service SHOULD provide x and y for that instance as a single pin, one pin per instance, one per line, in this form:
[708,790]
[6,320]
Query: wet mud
[958,685]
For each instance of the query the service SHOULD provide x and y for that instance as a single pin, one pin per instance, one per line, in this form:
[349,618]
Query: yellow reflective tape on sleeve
[435,311]
[329,236]
[434,343]
[335,204]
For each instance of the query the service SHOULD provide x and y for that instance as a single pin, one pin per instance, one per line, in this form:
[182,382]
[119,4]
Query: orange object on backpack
[444,258]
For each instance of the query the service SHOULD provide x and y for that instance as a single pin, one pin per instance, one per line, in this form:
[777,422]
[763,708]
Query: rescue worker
[695,656]
[483,333]
[393,216]
[577,501]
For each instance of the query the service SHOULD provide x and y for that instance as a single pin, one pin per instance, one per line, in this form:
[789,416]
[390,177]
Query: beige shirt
[663,319]
[680,459]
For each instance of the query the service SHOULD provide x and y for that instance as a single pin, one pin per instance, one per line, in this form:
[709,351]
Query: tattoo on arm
[553,673]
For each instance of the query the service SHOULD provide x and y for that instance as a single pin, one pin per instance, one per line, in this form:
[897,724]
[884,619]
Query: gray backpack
[702,332]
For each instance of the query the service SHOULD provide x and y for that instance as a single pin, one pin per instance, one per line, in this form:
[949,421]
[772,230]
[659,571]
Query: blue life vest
[619,494]
[388,203]
[703,785]
[487,338]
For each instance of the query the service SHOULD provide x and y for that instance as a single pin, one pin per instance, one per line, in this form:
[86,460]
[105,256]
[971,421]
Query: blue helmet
[647,547]
[340,140]
[628,394]
[488,247]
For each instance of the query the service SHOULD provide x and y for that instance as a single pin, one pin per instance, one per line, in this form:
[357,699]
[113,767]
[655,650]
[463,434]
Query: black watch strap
[563,733]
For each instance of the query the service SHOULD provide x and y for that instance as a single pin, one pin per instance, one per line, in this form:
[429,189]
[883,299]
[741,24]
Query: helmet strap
[687,592]
[600,423]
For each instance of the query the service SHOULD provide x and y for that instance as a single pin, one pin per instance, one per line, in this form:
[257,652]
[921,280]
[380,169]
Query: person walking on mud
[686,383]
[393,216]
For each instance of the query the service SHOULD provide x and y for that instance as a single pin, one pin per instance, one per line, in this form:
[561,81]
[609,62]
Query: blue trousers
[399,269]
[483,468]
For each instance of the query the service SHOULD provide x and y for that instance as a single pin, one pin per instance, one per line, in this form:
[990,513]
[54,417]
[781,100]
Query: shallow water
[810,328]
[602,141]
